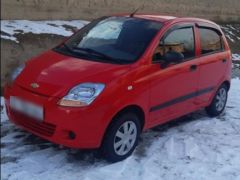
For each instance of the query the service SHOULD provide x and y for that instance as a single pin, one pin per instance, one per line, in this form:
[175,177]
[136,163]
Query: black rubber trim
[181,99]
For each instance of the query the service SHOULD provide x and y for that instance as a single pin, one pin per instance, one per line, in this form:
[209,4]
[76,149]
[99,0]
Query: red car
[119,76]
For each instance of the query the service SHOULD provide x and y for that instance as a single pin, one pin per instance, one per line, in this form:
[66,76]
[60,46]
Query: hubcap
[221,99]
[125,138]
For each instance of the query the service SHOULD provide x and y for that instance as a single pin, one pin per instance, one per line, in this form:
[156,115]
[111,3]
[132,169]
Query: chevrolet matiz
[118,76]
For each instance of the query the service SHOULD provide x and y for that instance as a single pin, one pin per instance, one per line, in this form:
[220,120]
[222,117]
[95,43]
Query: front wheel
[219,101]
[121,137]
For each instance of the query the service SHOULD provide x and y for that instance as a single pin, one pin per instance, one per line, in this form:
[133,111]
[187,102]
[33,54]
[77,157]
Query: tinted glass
[210,41]
[115,38]
[178,43]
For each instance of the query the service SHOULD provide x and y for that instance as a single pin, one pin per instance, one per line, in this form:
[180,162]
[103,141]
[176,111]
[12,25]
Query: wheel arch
[228,84]
[129,108]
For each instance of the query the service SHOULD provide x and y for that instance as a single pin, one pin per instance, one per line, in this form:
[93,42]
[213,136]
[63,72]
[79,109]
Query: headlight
[82,95]
[17,71]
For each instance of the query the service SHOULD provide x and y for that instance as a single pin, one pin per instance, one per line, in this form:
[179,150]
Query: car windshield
[112,39]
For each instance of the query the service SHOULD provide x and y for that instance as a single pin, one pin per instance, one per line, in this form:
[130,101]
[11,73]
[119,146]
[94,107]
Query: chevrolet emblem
[34,85]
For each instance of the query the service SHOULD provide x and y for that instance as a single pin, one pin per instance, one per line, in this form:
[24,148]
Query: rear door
[173,88]
[212,61]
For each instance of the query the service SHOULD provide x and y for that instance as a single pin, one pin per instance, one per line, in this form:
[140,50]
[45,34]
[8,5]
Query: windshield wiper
[101,55]
[88,51]
[72,50]
[92,51]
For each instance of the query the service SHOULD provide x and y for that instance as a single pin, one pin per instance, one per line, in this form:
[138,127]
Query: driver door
[174,85]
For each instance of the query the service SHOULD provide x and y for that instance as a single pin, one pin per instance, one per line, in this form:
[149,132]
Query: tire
[219,101]
[118,145]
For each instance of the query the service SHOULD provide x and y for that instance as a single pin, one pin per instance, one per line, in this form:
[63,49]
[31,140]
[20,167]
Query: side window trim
[208,26]
[176,27]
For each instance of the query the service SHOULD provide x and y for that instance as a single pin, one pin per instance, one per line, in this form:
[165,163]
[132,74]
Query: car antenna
[137,9]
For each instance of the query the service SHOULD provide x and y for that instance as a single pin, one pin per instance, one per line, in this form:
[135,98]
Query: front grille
[41,128]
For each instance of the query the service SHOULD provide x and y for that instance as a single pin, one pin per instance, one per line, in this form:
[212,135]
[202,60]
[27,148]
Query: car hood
[54,74]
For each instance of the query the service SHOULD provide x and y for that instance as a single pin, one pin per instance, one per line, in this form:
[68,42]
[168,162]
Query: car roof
[168,18]
[161,18]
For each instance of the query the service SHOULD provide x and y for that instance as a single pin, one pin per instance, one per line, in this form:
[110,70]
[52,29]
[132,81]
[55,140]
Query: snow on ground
[236,57]
[194,147]
[236,61]
[232,32]
[4,116]
[9,28]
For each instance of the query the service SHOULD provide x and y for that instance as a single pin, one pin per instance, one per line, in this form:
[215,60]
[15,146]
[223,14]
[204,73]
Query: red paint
[57,74]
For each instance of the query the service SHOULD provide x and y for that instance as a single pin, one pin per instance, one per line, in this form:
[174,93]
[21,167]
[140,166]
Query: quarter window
[179,44]
[210,41]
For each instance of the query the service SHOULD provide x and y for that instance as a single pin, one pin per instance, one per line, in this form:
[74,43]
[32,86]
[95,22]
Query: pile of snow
[10,28]
[195,147]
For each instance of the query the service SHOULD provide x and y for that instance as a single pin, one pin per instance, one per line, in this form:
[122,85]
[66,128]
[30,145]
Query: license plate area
[27,108]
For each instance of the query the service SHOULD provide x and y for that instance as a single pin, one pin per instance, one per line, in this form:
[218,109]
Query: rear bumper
[88,124]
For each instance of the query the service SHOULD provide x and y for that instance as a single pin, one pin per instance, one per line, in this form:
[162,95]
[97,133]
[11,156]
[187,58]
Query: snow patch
[236,57]
[230,38]
[4,116]
[231,32]
[10,28]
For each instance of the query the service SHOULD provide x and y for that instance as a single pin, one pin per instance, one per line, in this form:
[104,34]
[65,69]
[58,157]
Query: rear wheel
[219,101]
[121,137]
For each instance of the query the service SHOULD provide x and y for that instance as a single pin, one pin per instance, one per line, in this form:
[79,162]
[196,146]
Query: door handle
[224,60]
[193,67]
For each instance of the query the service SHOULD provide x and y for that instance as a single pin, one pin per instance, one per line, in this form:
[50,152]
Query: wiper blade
[92,51]
[87,51]
[102,55]
[72,50]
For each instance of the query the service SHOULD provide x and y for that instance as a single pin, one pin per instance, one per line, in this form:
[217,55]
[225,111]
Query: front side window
[115,39]
[178,45]
[210,41]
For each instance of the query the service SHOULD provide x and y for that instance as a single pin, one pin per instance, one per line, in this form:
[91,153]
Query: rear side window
[211,41]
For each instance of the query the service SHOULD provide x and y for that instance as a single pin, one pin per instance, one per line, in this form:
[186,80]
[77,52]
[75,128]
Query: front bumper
[59,124]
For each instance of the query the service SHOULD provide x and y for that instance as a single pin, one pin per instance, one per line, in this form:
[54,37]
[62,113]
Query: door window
[178,45]
[210,41]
